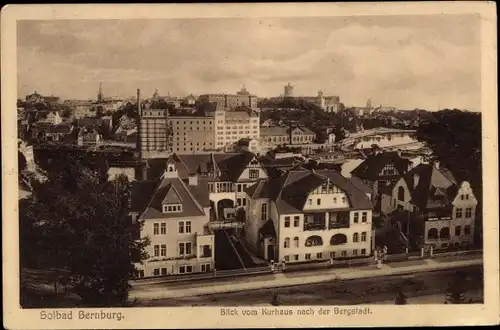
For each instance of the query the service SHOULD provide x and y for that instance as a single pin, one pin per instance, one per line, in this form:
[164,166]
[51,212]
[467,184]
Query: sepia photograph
[264,165]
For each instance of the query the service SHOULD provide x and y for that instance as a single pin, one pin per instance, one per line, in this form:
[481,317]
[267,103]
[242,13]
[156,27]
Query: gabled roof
[429,187]
[370,168]
[167,190]
[291,190]
[172,197]
[226,166]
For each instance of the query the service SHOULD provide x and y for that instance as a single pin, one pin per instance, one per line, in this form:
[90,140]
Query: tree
[456,289]
[400,299]
[76,224]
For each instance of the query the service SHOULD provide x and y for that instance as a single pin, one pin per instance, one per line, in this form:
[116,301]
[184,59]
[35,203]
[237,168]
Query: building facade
[288,90]
[233,125]
[231,101]
[443,213]
[271,137]
[328,103]
[174,214]
[308,215]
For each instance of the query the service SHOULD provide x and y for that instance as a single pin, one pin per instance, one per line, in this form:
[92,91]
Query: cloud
[405,62]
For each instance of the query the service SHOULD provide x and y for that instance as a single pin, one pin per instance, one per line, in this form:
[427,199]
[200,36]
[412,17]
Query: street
[339,292]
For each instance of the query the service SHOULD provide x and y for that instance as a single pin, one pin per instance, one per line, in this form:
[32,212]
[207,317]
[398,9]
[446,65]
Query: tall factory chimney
[138,124]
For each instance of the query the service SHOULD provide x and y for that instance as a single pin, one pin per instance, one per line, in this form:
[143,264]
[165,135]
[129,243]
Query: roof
[279,130]
[429,187]
[62,128]
[92,121]
[370,168]
[291,190]
[225,166]
[172,191]
[361,185]
[268,229]
[141,192]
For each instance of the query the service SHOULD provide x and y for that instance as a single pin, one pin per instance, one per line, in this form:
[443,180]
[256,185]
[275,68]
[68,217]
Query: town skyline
[355,58]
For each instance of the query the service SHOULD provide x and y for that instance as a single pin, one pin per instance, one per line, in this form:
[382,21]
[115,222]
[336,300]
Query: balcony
[183,257]
[314,226]
[338,224]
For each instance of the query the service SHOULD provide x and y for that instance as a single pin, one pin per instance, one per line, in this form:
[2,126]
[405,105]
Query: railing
[336,225]
[202,276]
[314,226]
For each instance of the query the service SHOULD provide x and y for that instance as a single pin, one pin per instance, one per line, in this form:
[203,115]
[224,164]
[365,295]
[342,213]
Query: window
[155,229]
[205,268]
[466,196]
[401,194]
[254,174]
[287,242]
[462,197]
[444,232]
[156,250]
[343,200]
[363,236]
[318,201]
[238,201]
[355,253]
[287,258]
[181,227]
[364,216]
[344,253]
[332,254]
[319,255]
[458,230]
[296,241]
[287,222]
[355,237]
[296,221]
[308,256]
[184,249]
[156,272]
[188,227]
[296,257]
[458,213]
[244,201]
[164,271]
[206,251]
[363,252]
[467,230]
[238,187]
[356,217]
[432,233]
[163,228]
[263,214]
[468,212]
[163,251]
[334,200]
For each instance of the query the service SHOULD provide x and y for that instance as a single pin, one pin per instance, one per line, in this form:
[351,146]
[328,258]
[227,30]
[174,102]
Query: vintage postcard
[249,165]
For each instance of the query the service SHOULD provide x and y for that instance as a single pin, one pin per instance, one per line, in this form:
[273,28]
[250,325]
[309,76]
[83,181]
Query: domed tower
[100,96]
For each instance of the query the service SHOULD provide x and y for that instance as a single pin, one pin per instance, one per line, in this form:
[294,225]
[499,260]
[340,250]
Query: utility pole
[408,232]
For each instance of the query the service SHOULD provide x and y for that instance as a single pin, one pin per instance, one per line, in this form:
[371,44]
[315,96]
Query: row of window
[445,232]
[319,255]
[183,269]
[318,201]
[185,248]
[172,208]
[161,228]
[459,213]
[313,241]
[364,216]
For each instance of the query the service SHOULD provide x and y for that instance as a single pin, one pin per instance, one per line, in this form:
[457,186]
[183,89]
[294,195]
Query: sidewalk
[151,292]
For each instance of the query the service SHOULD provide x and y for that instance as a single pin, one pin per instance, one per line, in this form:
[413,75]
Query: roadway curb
[334,277]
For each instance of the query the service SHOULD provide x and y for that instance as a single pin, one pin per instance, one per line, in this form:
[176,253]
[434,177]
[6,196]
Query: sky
[430,62]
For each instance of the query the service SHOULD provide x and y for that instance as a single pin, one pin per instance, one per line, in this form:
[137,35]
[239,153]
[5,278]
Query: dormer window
[172,208]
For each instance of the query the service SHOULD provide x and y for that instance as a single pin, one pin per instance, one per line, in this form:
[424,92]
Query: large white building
[309,215]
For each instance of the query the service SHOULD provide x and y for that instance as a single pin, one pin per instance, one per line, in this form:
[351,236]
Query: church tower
[100,97]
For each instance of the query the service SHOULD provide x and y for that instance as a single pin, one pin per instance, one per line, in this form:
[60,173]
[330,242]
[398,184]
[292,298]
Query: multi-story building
[309,215]
[174,213]
[381,170]
[442,212]
[227,174]
[328,103]
[192,133]
[231,101]
[233,125]
[271,137]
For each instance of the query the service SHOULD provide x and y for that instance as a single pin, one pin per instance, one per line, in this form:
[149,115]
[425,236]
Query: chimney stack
[436,164]
[139,101]
[193,179]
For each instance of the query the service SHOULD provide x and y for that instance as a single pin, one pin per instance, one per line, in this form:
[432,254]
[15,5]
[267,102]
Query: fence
[203,276]
[329,264]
